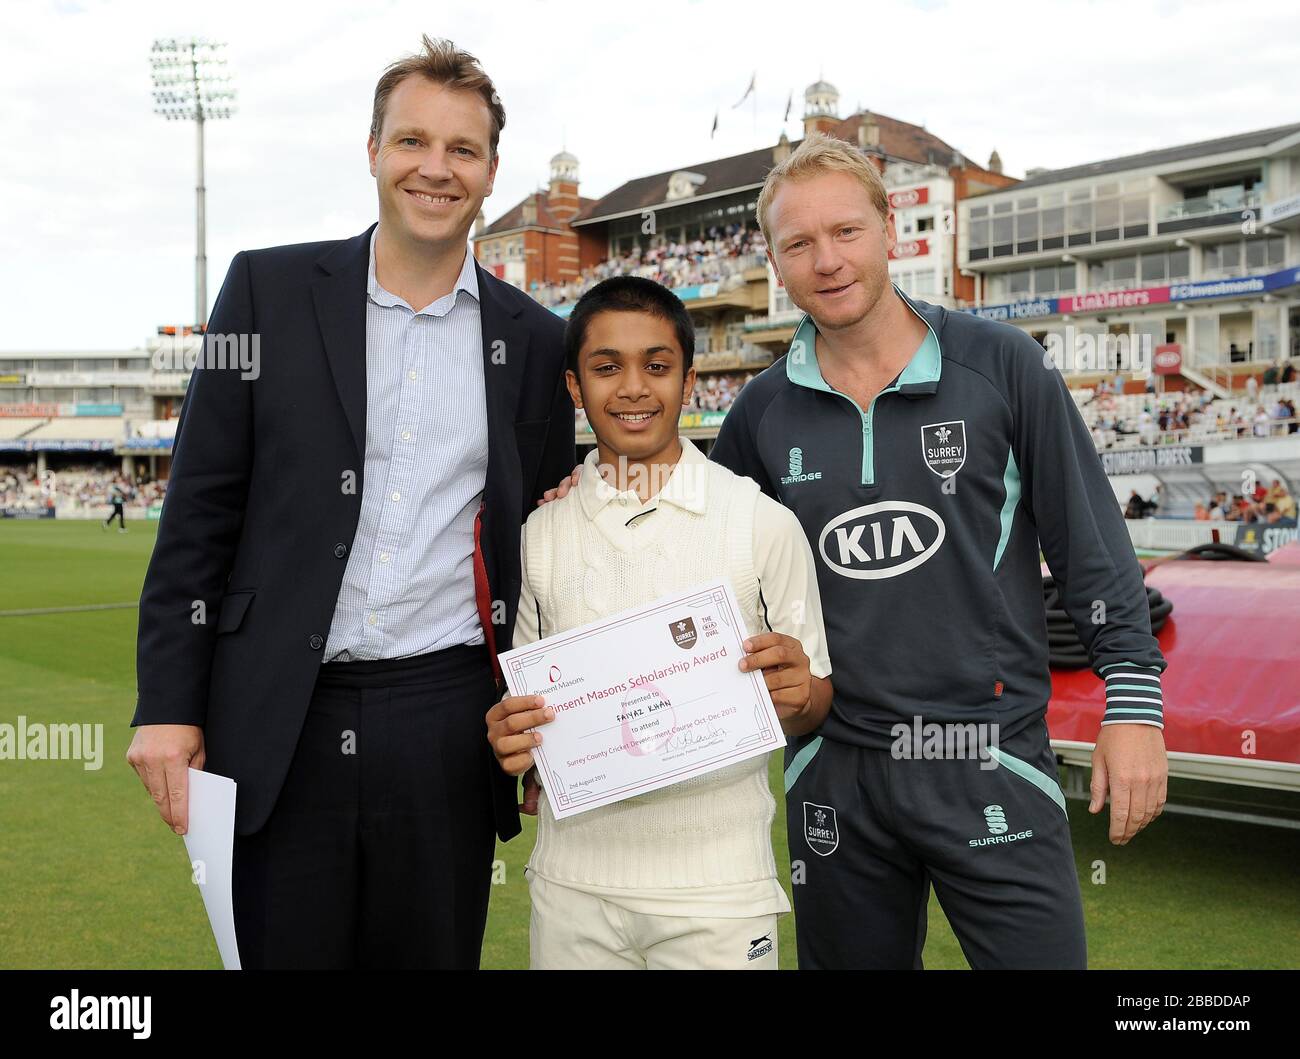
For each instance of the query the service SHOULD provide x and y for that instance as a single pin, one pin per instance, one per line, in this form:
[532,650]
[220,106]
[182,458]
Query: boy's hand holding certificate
[645,699]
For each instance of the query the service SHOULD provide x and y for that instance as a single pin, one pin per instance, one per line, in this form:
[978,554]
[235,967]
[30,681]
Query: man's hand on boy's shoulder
[561,490]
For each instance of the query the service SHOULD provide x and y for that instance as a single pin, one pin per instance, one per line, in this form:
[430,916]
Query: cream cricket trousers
[572,930]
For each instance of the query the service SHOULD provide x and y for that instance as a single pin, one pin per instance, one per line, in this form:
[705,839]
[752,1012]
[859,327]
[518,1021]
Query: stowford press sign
[1141,461]
[1265,539]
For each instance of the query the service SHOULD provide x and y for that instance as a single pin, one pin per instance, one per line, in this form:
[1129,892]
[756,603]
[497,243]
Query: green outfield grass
[90,877]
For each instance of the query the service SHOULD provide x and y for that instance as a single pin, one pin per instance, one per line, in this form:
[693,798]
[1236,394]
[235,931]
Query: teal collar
[919,377]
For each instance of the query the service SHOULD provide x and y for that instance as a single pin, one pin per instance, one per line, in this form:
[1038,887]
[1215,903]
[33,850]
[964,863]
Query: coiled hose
[1064,647]
[1065,650]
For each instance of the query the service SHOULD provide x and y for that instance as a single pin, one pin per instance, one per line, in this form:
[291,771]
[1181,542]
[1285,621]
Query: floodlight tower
[190,83]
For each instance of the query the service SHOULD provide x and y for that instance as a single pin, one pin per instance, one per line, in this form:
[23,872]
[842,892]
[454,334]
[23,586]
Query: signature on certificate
[688,737]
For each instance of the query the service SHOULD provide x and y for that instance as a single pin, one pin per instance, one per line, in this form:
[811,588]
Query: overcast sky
[96,192]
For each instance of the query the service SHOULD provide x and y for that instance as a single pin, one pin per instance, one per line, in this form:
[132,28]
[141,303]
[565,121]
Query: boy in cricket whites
[682,877]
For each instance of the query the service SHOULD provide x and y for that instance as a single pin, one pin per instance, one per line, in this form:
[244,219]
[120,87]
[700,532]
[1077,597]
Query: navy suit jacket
[259,516]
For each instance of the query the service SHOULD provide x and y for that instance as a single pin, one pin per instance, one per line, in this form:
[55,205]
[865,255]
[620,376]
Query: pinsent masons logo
[555,680]
[797,472]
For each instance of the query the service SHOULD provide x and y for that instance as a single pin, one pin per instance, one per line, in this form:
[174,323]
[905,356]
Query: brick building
[533,243]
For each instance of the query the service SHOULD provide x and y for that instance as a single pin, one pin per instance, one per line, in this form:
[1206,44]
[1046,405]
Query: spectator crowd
[1274,506]
[727,252]
[714,393]
[1187,417]
[77,490]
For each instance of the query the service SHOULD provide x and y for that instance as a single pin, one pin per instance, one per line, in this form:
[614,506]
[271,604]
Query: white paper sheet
[645,698]
[210,842]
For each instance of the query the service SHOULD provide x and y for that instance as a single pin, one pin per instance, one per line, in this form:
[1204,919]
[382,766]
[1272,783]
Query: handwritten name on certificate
[644,699]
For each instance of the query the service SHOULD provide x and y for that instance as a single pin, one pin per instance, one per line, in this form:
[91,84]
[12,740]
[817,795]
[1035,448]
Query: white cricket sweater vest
[713,830]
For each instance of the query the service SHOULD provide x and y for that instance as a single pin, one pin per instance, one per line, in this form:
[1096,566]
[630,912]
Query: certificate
[644,699]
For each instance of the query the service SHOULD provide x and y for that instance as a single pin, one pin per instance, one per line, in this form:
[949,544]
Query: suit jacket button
[340,550]
[316,641]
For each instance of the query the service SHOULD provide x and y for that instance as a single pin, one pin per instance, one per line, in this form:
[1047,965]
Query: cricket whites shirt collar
[920,377]
[687,486]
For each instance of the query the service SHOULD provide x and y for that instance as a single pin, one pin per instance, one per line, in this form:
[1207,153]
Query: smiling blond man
[338,557]
[929,455]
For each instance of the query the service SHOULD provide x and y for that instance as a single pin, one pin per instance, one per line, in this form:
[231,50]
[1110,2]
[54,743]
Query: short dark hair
[441,62]
[629,294]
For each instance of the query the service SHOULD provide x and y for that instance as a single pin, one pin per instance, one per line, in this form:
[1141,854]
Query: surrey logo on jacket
[944,447]
[881,540]
[820,829]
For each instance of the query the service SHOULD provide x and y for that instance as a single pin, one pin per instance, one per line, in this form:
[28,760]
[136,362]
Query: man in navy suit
[338,557]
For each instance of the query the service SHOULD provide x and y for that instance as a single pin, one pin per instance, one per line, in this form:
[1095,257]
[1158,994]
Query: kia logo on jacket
[881,540]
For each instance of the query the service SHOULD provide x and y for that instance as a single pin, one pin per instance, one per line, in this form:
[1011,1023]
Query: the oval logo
[1169,358]
[907,248]
[902,199]
[881,540]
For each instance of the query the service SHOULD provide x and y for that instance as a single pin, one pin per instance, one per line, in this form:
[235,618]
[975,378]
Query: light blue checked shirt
[409,584]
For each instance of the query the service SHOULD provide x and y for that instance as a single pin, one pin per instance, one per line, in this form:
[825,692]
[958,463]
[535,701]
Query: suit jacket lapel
[505,352]
[339,292]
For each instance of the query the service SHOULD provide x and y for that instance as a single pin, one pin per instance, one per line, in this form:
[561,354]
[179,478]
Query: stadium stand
[80,428]
[726,255]
[77,491]
[1187,417]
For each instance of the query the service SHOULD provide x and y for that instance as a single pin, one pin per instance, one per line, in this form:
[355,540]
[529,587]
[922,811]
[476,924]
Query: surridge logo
[881,540]
[995,819]
[797,473]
